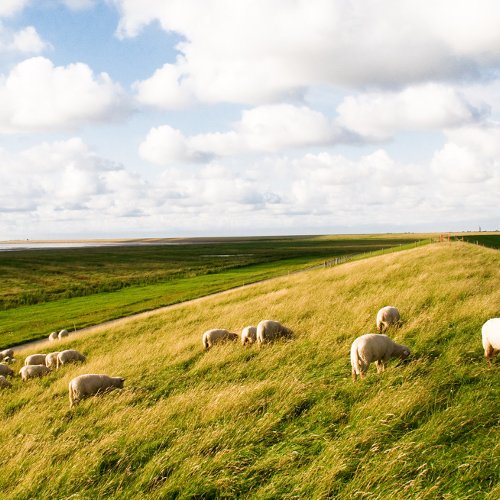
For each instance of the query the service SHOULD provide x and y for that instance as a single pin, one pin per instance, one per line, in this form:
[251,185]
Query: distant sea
[39,246]
[28,245]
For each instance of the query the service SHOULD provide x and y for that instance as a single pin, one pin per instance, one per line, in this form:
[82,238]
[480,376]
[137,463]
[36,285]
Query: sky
[169,118]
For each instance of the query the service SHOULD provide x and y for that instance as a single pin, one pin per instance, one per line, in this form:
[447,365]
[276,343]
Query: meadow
[47,290]
[284,420]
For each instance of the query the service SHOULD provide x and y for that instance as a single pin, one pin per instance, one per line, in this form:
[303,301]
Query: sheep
[6,353]
[35,359]
[90,384]
[386,317]
[53,336]
[51,360]
[374,347]
[249,335]
[63,333]
[5,370]
[490,333]
[9,360]
[32,371]
[269,330]
[4,383]
[69,356]
[215,336]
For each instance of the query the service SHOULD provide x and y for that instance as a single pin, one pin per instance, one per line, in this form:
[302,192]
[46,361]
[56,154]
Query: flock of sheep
[366,349]
[38,365]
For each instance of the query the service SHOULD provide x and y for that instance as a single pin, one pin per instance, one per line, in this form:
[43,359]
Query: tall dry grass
[285,420]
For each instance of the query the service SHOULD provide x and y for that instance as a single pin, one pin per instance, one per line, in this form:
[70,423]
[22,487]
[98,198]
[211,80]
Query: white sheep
[491,338]
[249,335]
[5,370]
[53,336]
[51,360]
[63,333]
[387,316]
[90,384]
[215,336]
[32,371]
[269,330]
[374,347]
[69,356]
[9,360]
[35,359]
[4,383]
[6,353]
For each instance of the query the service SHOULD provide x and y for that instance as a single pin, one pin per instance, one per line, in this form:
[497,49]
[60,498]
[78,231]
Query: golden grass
[285,420]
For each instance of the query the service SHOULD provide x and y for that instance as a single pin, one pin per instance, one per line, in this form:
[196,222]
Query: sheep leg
[354,376]
[380,366]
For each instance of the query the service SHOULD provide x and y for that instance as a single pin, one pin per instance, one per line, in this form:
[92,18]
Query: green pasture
[491,240]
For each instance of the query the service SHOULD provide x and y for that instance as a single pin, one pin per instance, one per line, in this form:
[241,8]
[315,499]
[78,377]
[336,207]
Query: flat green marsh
[283,421]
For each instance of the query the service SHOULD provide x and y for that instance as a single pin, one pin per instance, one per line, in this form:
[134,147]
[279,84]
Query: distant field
[45,290]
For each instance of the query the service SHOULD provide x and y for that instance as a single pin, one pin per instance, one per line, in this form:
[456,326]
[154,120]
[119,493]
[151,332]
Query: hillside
[283,421]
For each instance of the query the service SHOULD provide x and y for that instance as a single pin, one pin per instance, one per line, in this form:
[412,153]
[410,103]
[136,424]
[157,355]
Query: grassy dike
[283,421]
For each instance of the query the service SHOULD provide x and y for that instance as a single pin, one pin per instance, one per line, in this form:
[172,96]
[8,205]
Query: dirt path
[42,343]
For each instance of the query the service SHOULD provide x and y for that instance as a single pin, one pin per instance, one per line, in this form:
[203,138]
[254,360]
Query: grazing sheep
[491,338]
[33,371]
[69,356]
[386,317]
[215,336]
[90,384]
[5,370]
[9,360]
[53,336]
[4,383]
[51,360]
[374,347]
[35,359]
[268,330]
[249,335]
[7,353]
[63,333]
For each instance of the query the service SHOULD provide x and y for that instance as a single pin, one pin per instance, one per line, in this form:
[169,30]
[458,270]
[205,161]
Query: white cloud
[25,41]
[431,106]
[262,129]
[10,7]
[164,145]
[164,89]
[471,155]
[64,176]
[260,51]
[64,96]
[64,187]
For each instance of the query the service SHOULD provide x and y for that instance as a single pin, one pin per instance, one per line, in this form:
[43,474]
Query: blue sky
[125,118]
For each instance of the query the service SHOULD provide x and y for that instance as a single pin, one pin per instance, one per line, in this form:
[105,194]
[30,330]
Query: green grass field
[285,420]
[46,290]
[488,240]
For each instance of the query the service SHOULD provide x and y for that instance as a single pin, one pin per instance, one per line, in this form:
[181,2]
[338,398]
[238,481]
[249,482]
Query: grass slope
[284,421]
